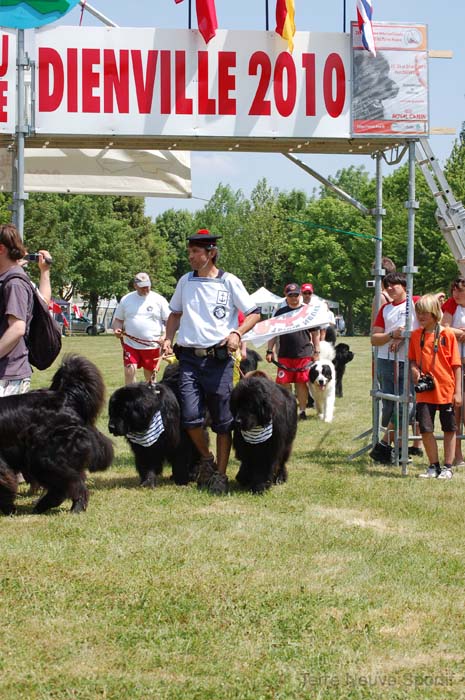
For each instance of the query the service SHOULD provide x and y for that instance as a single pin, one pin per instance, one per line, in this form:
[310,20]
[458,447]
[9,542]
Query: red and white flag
[206,18]
[364,18]
[77,311]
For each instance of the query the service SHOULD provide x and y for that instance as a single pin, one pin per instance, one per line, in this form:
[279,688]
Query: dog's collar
[151,435]
[261,433]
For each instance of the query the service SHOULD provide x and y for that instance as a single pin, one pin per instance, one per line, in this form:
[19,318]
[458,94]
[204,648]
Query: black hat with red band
[203,237]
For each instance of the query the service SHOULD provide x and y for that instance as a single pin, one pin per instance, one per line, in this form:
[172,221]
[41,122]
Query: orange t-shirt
[447,359]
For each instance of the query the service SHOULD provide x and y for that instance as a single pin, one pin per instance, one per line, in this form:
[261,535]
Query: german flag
[285,25]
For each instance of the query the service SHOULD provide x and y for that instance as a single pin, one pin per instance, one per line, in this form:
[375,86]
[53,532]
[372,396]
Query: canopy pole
[96,13]
[19,195]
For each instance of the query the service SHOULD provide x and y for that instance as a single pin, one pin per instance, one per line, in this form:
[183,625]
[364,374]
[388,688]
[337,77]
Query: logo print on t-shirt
[219,312]
[222,297]
[149,308]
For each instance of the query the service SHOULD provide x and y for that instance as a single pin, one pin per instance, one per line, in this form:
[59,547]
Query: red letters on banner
[4,83]
[97,81]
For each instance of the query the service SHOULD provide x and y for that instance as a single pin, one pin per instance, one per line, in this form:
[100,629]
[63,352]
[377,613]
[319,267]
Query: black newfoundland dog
[148,416]
[265,425]
[343,356]
[49,435]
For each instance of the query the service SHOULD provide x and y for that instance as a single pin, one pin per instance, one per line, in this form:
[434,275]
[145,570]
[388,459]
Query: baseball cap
[307,287]
[142,280]
[203,235]
[291,288]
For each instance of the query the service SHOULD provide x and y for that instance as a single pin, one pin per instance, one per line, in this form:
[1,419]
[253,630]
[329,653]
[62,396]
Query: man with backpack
[16,310]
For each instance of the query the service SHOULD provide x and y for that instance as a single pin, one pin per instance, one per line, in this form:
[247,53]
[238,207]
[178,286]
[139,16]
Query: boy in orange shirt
[435,366]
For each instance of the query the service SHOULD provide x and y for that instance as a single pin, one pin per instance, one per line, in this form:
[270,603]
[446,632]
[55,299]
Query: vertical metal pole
[344,16]
[190,15]
[19,196]
[378,272]
[267,19]
[411,205]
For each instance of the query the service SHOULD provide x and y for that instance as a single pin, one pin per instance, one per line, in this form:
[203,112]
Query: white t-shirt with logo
[209,308]
[390,317]
[143,317]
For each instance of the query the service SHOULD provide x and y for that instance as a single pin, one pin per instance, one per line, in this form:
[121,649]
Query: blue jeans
[388,385]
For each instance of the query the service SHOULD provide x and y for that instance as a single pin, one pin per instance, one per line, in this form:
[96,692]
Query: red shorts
[283,377]
[142,358]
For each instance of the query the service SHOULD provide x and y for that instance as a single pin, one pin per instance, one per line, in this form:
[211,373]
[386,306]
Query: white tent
[141,173]
[266,300]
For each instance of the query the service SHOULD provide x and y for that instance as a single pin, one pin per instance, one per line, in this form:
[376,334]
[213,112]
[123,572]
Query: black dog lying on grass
[265,425]
[49,435]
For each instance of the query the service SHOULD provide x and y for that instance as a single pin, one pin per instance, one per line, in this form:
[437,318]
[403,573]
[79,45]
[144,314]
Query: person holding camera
[436,373]
[204,307]
[16,309]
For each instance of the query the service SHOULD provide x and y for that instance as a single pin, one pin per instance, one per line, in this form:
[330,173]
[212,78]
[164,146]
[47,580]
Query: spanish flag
[285,25]
[206,18]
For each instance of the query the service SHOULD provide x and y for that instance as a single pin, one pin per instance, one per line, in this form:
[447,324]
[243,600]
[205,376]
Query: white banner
[106,171]
[305,317]
[143,81]
[7,81]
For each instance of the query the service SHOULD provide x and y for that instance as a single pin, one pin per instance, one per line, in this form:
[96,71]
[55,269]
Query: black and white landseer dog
[343,355]
[322,382]
[265,425]
[49,435]
[149,417]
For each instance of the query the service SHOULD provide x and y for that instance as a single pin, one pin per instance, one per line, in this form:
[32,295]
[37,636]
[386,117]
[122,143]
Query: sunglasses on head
[460,284]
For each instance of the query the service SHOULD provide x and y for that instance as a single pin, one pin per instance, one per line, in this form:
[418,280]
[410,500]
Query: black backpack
[44,336]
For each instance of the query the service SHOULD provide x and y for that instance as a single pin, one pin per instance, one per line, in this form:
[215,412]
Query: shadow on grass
[338,460]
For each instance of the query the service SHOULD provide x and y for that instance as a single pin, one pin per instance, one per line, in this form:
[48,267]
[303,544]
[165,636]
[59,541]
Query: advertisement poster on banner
[390,90]
[7,81]
[143,82]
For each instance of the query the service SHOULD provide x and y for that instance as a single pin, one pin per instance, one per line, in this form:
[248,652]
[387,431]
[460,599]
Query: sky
[242,171]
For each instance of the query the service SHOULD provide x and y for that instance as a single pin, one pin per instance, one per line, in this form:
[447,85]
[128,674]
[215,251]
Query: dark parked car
[82,325]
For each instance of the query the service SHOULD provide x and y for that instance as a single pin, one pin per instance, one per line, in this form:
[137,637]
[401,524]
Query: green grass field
[345,583]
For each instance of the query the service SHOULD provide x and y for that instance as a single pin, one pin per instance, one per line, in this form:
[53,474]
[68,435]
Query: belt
[201,352]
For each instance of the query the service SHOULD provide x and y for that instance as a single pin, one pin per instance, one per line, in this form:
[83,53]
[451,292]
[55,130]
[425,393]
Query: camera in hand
[425,383]
[34,257]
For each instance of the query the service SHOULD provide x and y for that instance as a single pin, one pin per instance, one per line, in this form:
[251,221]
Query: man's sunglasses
[293,295]
[307,293]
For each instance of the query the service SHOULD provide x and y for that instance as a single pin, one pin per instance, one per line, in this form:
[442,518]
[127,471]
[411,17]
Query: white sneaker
[430,473]
[446,473]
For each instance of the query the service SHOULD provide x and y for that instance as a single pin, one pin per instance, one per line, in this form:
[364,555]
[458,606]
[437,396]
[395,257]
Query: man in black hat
[204,309]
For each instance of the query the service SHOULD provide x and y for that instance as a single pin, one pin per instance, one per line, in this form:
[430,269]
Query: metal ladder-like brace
[450,213]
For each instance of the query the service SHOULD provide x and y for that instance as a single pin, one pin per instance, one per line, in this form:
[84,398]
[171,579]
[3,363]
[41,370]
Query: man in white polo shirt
[204,307]
[139,322]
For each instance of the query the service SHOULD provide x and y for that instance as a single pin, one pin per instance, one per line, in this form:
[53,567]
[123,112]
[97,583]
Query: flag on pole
[77,311]
[206,18]
[364,17]
[285,25]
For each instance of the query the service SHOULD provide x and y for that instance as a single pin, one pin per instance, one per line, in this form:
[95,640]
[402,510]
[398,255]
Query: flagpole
[190,14]
[267,18]
[344,16]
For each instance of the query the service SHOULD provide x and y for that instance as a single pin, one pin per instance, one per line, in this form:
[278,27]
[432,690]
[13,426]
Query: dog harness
[151,435]
[261,433]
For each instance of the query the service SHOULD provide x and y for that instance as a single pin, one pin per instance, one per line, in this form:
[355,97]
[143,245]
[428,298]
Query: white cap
[142,280]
